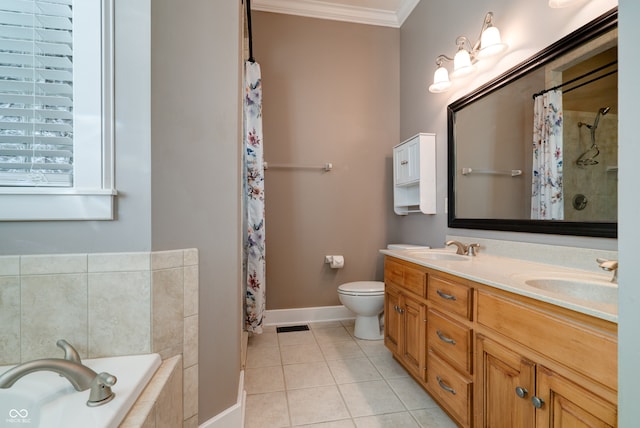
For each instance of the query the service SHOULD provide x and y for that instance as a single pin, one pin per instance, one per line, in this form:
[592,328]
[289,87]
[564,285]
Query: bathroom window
[56,159]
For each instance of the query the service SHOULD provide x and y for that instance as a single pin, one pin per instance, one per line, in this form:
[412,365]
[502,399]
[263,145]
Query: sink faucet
[465,249]
[79,375]
[609,266]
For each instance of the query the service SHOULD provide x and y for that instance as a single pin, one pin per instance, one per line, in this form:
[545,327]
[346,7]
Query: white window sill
[31,204]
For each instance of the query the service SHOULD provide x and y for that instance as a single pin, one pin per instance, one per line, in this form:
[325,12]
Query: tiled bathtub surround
[104,305]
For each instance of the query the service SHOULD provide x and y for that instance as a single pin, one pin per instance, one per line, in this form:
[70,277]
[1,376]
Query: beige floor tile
[267,410]
[264,356]
[370,398]
[307,375]
[372,348]
[294,354]
[314,405]
[388,367]
[325,324]
[411,394]
[296,338]
[260,380]
[264,339]
[344,423]
[341,350]
[391,420]
[433,418]
[353,370]
[334,334]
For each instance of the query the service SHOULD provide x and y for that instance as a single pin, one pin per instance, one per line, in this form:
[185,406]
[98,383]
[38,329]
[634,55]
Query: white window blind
[36,93]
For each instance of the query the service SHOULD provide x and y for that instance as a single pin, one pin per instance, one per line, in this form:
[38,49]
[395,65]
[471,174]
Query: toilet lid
[362,287]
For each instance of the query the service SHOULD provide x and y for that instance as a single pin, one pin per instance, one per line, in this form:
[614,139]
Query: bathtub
[47,400]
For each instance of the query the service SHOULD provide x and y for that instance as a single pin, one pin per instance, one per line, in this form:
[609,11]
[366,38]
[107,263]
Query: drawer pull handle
[445,338]
[445,386]
[404,162]
[445,296]
[537,402]
[521,392]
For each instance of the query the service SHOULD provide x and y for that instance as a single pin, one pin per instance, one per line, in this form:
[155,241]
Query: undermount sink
[581,288]
[438,255]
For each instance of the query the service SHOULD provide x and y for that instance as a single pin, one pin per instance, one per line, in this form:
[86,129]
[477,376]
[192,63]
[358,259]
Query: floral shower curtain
[546,189]
[254,239]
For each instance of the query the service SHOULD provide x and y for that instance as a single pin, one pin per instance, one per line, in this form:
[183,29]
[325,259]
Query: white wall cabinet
[414,175]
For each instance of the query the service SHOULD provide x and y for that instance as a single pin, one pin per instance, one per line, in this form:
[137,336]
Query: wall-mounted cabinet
[414,175]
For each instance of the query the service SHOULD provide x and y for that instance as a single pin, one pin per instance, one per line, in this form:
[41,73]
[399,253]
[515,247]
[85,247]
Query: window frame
[93,193]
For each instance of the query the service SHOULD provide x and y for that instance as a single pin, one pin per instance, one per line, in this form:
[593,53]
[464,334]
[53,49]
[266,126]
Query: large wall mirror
[536,149]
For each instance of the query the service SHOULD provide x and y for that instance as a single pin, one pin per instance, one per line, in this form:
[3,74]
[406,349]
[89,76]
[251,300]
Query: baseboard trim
[233,417]
[304,315]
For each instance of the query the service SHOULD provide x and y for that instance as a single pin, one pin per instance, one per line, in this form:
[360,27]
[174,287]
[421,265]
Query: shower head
[601,112]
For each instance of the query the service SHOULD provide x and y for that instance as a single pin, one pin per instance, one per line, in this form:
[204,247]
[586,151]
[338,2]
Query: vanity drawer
[586,349]
[450,296]
[454,391]
[409,278]
[450,339]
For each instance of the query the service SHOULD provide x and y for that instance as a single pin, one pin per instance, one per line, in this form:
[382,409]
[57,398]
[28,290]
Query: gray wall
[628,209]
[432,28]
[195,98]
[331,94]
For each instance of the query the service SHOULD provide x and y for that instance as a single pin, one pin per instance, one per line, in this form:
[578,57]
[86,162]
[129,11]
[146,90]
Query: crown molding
[338,12]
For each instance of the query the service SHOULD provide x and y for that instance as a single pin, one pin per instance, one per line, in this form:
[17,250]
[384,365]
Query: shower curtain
[546,188]
[254,236]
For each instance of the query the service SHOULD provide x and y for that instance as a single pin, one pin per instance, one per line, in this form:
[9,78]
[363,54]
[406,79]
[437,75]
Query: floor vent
[290,328]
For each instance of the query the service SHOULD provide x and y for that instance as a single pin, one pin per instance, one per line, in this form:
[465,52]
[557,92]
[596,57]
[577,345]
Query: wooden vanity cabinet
[483,354]
[405,316]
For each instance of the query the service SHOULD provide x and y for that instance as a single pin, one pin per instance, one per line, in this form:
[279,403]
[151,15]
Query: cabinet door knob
[537,402]
[445,386]
[445,338]
[445,296]
[521,392]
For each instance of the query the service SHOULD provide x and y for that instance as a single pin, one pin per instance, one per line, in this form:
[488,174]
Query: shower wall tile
[167,311]
[119,262]
[190,391]
[190,353]
[191,289]
[119,313]
[9,320]
[167,259]
[53,307]
[53,264]
[9,265]
[191,257]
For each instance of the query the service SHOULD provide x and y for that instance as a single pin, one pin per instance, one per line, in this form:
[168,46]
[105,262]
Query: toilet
[366,300]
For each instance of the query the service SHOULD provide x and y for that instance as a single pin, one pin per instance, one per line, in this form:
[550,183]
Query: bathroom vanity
[496,345]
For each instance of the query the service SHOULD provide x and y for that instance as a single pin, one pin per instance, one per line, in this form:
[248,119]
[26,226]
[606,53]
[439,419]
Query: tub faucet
[464,249]
[79,375]
[609,266]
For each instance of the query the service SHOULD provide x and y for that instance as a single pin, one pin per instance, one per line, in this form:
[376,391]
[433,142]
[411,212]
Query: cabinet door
[413,335]
[505,385]
[567,405]
[392,318]
[407,162]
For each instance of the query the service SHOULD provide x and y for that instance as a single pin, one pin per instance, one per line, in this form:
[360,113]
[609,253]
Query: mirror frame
[593,29]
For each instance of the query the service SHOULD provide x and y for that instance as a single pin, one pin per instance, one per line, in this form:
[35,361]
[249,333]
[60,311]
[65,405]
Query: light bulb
[462,64]
[441,80]
[490,43]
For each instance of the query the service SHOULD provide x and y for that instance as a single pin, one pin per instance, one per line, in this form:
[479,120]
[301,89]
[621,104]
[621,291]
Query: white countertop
[510,275]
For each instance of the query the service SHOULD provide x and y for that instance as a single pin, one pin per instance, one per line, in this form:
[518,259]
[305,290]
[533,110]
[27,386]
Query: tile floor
[325,377]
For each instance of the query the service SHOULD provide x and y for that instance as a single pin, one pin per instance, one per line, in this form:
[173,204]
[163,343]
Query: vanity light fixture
[487,45]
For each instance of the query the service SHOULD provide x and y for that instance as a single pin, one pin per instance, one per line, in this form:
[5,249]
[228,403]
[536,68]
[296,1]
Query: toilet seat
[362,288]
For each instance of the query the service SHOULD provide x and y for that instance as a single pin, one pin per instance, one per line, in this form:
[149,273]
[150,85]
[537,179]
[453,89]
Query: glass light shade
[462,64]
[441,80]
[490,43]
[557,4]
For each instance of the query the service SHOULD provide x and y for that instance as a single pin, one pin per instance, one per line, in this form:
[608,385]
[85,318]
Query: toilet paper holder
[335,262]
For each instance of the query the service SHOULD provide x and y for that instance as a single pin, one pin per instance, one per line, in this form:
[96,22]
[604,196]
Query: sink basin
[438,255]
[580,288]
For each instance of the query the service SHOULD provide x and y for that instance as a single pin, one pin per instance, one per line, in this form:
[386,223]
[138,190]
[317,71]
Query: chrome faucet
[609,266]
[465,249]
[79,375]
